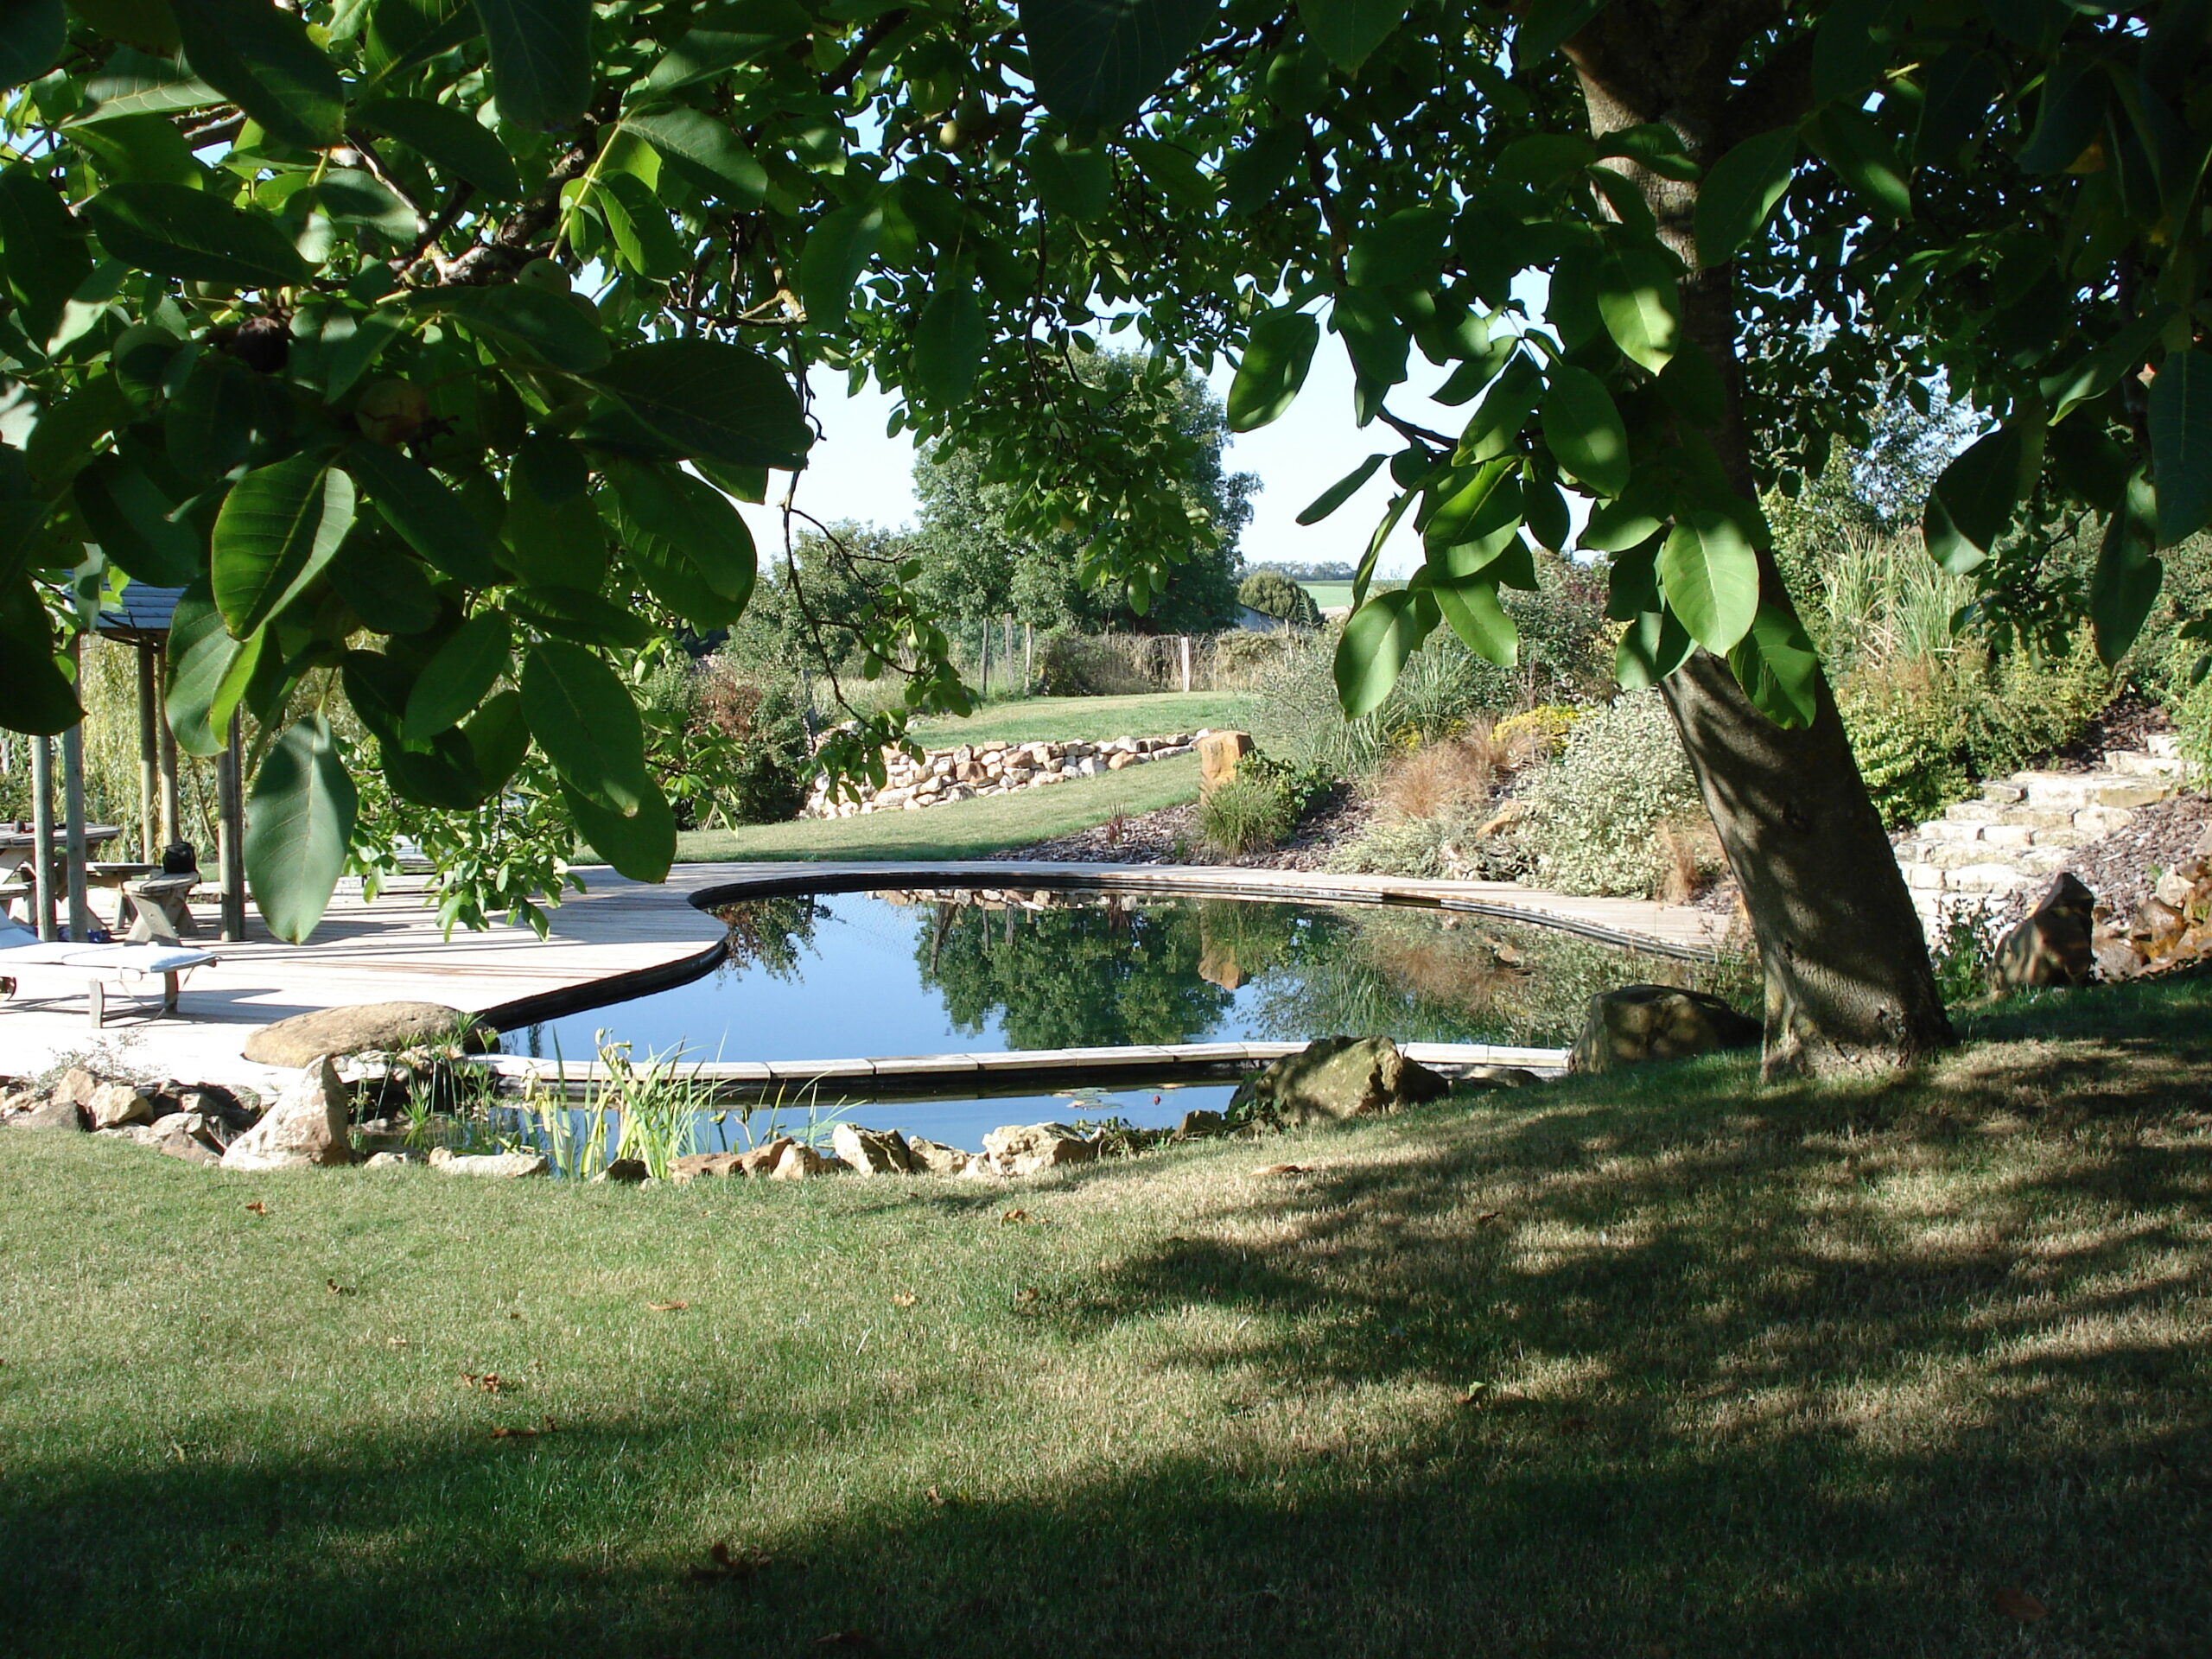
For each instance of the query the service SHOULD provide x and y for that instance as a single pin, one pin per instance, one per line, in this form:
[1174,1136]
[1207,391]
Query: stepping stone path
[2008,845]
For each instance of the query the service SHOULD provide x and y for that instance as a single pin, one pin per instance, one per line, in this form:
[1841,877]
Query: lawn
[966,829]
[1090,719]
[1658,1366]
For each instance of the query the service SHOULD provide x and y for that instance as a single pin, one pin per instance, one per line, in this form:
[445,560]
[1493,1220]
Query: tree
[290,322]
[1272,594]
[976,564]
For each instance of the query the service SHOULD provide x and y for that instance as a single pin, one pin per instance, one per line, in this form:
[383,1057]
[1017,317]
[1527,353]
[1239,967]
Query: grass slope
[966,829]
[1030,719]
[1664,1364]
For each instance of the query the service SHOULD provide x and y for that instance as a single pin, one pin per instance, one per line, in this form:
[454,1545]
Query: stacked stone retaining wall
[943,776]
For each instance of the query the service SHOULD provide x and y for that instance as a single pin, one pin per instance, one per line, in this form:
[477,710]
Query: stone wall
[943,776]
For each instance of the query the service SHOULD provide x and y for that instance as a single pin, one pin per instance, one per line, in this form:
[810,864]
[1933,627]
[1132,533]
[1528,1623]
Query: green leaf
[949,339]
[2102,369]
[1863,157]
[44,249]
[1476,507]
[1655,146]
[1377,639]
[174,230]
[260,57]
[583,618]
[32,35]
[1851,49]
[1583,429]
[541,59]
[201,652]
[1640,304]
[1276,359]
[135,83]
[278,527]
[724,37]
[837,251]
[1340,492]
[386,587]
[134,522]
[2070,115]
[1779,670]
[698,521]
[1710,575]
[640,844]
[350,197]
[561,547]
[1378,341]
[1620,524]
[2181,443]
[581,715]
[1739,192]
[498,737]
[1973,501]
[1653,647]
[40,699]
[299,821]
[1095,62]
[2125,583]
[429,517]
[551,325]
[1495,427]
[1546,26]
[457,676]
[150,24]
[138,147]
[1962,87]
[1073,184]
[640,224]
[722,402]
[1469,605]
[1544,507]
[449,138]
[1348,30]
[704,148]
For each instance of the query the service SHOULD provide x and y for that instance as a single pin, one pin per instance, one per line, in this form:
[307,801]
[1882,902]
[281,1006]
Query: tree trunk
[1849,986]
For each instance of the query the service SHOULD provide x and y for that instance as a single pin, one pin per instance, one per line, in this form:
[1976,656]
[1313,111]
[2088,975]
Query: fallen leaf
[337,1289]
[724,1562]
[903,1299]
[1017,1215]
[1027,1293]
[514,1316]
[1488,1216]
[937,1500]
[489,1382]
[547,1427]
[2017,1603]
[257,1208]
[666,1307]
[395,1342]
[1285,1169]
[1476,1393]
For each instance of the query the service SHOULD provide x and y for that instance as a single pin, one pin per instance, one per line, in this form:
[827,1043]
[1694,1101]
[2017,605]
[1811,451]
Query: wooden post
[1185,641]
[149,811]
[73,813]
[172,808]
[230,792]
[42,833]
[983,669]
[1006,654]
[1028,657]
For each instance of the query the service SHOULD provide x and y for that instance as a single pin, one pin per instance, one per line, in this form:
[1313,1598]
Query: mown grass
[1663,1364]
[1029,720]
[966,829]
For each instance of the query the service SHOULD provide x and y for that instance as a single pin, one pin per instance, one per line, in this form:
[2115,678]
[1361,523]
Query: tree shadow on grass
[1659,1366]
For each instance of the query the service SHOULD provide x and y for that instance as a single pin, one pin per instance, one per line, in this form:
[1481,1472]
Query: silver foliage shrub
[1596,813]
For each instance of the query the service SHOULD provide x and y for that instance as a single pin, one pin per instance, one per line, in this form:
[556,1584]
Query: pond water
[822,976]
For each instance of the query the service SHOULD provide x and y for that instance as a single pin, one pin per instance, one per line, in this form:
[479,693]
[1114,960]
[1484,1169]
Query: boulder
[393,1160]
[53,1114]
[180,1138]
[797,1162]
[1338,1079]
[872,1152]
[935,1158]
[1218,754]
[306,1038]
[2052,944]
[492,1166]
[1484,1077]
[712,1165]
[114,1104]
[1637,1023]
[76,1087]
[307,1126]
[763,1158]
[1196,1125]
[1024,1149]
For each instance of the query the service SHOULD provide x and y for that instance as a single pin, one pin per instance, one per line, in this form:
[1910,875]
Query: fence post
[1028,657]
[1185,640]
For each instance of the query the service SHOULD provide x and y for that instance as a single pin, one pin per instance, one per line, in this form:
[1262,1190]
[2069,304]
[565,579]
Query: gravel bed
[2121,867]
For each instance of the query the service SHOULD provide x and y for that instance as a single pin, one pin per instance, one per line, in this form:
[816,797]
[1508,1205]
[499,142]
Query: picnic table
[152,903]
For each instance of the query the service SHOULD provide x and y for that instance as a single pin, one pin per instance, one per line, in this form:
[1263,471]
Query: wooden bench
[160,907]
[98,963]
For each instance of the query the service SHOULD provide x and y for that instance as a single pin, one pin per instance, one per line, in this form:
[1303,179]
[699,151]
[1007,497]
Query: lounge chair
[20,948]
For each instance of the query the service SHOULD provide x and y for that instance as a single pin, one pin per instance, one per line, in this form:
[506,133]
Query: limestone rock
[114,1104]
[1482,1077]
[1338,1079]
[1637,1023]
[307,1126]
[763,1158]
[176,1138]
[1024,1149]
[53,1114]
[1218,754]
[935,1158]
[797,1162]
[2053,943]
[493,1166]
[694,1165]
[393,1160]
[306,1038]
[76,1087]
[1196,1125]
[872,1152]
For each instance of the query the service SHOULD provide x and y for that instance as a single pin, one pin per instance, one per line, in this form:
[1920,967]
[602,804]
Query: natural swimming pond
[827,976]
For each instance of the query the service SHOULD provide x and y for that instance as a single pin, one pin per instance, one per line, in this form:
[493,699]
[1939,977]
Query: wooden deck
[623,939]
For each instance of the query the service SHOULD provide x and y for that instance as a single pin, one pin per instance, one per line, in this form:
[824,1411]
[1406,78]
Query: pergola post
[42,834]
[172,811]
[150,846]
[73,808]
[231,840]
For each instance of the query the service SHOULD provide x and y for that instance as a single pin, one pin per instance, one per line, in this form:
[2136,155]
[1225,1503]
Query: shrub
[1272,594]
[1537,733]
[1444,845]
[1245,815]
[1072,664]
[1241,660]
[1596,814]
[1452,771]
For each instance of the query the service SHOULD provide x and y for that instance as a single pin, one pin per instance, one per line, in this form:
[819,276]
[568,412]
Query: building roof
[141,613]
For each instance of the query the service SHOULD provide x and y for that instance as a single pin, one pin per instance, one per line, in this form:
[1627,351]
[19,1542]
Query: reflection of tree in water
[1458,978]
[1075,978]
[770,934]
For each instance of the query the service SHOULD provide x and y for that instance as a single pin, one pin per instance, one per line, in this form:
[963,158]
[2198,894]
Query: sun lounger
[21,948]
